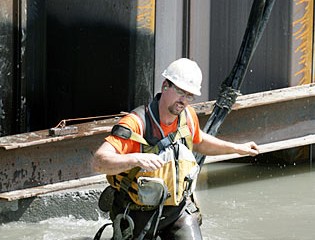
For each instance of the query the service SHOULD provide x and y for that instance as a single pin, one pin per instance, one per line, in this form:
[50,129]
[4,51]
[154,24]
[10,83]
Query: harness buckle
[164,143]
[126,233]
[172,136]
[190,179]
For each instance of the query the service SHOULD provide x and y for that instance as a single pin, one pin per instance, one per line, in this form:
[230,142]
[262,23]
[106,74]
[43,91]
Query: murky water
[64,228]
[238,202]
[242,201]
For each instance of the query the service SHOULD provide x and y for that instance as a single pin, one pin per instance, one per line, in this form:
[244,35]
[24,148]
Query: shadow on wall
[88,48]
[66,59]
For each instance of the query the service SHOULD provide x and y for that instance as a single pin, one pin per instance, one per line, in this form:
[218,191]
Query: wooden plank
[268,147]
[35,191]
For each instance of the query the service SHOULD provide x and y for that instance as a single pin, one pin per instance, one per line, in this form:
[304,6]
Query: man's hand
[107,160]
[148,161]
[249,148]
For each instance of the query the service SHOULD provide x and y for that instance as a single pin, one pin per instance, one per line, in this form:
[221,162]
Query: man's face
[179,99]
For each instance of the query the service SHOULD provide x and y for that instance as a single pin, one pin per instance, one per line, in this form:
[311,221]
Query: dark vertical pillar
[186,28]
[19,64]
[6,67]
[22,66]
[35,67]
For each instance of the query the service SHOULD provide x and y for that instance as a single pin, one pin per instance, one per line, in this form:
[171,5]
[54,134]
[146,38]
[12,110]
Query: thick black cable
[229,90]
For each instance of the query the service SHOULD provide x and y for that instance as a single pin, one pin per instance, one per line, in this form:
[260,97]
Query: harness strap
[181,132]
[147,227]
[126,133]
[100,231]
[125,183]
[121,201]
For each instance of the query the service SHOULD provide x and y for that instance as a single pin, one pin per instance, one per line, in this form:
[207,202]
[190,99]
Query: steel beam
[269,118]
[36,159]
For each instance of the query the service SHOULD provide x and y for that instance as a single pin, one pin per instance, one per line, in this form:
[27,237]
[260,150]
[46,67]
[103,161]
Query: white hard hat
[185,74]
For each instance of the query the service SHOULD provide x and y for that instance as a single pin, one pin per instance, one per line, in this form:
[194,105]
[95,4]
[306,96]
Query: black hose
[229,90]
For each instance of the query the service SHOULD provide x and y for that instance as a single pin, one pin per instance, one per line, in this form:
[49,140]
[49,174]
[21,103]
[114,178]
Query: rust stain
[304,34]
[146,15]
[42,137]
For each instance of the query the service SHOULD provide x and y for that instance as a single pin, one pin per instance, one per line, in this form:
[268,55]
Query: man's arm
[107,160]
[211,145]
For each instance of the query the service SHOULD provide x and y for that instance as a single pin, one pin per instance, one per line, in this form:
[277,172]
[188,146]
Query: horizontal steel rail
[276,120]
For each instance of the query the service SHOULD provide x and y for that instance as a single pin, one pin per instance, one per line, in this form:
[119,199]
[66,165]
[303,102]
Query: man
[149,162]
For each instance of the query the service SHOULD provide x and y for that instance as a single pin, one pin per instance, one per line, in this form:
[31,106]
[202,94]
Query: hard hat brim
[184,86]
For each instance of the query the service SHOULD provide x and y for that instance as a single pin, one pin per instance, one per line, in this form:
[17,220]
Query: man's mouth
[180,105]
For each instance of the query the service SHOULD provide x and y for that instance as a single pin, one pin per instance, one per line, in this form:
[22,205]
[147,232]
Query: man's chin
[176,111]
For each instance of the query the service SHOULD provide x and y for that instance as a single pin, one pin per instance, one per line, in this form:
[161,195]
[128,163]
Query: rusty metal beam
[275,119]
[35,159]
[269,116]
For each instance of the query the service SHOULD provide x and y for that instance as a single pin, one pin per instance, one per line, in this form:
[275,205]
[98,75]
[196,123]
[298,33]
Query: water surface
[239,201]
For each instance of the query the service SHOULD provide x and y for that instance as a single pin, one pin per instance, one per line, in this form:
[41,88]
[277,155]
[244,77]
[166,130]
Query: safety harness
[136,183]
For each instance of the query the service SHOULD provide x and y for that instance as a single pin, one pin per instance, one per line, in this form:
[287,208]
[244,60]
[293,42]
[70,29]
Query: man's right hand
[148,161]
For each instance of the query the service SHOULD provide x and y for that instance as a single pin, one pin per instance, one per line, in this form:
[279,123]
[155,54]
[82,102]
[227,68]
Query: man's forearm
[112,163]
[211,145]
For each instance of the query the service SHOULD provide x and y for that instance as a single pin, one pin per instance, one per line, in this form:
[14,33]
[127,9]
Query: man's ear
[164,86]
